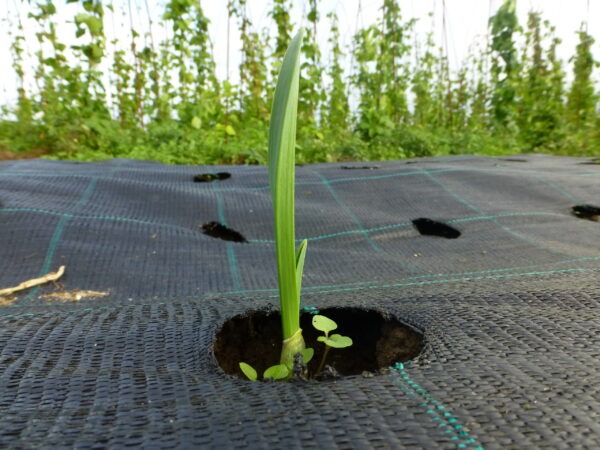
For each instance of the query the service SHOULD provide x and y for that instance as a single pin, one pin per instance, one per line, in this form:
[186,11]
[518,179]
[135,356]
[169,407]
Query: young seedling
[290,262]
[327,325]
[276,372]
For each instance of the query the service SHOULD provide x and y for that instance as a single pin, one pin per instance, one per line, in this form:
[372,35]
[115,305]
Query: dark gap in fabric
[593,162]
[379,340]
[429,227]
[519,160]
[220,231]
[208,177]
[588,212]
[360,167]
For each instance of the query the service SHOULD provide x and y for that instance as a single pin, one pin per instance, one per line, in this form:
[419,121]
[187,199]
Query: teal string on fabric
[435,410]
[233,267]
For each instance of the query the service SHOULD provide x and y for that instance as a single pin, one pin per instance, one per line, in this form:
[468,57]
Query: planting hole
[208,177]
[360,167]
[593,161]
[429,227]
[520,160]
[589,212]
[378,341]
[220,231]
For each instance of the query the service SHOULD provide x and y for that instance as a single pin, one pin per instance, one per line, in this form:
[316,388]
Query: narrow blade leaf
[282,142]
[300,256]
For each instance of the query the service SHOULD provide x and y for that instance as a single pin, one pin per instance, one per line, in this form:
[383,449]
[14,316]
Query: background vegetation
[161,99]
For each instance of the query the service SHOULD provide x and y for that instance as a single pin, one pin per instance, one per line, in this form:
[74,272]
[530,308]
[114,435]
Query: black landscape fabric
[495,260]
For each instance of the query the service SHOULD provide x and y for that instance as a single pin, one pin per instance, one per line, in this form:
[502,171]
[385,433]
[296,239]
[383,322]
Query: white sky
[466,25]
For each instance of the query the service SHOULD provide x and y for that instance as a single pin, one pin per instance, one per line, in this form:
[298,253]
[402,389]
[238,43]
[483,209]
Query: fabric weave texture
[510,309]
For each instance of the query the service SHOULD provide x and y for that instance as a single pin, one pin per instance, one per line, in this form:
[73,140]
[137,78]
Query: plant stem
[322,363]
[291,347]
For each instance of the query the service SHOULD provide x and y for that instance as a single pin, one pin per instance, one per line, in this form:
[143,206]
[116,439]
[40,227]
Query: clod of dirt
[360,167]
[429,227]
[378,342]
[589,212]
[208,177]
[220,231]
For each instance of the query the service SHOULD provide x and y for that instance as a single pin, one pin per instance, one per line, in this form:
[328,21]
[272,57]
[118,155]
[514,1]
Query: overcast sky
[466,24]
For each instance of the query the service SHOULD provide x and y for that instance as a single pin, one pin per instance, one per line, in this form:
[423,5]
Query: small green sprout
[249,371]
[327,325]
[277,372]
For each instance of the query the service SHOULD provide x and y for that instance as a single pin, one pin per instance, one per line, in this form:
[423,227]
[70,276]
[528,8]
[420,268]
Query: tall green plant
[336,113]
[582,99]
[282,142]
[539,90]
[505,64]
[311,92]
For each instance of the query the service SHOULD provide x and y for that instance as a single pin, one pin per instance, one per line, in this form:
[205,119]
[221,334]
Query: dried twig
[74,295]
[53,276]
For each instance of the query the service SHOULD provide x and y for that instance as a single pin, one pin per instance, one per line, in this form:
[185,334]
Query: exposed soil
[378,341]
[519,160]
[429,227]
[589,212]
[360,167]
[208,177]
[220,231]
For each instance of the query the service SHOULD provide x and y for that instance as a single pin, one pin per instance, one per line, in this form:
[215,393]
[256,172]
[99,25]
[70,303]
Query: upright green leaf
[300,256]
[282,141]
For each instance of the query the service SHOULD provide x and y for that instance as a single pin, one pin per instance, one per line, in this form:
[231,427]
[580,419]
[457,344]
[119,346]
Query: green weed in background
[160,99]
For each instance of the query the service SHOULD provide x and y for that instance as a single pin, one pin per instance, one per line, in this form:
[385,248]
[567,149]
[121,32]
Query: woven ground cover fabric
[510,309]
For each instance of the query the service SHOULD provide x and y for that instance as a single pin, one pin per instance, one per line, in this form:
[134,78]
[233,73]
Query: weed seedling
[327,325]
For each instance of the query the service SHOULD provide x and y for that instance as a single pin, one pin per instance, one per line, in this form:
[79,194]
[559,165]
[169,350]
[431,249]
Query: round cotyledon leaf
[249,371]
[324,324]
[336,341]
[278,372]
[307,355]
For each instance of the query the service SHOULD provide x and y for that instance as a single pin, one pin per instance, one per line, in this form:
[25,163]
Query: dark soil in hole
[208,177]
[429,227]
[589,212]
[360,167]
[220,231]
[520,160]
[378,341]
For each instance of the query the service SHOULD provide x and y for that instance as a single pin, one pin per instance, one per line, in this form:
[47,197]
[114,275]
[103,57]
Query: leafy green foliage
[161,99]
